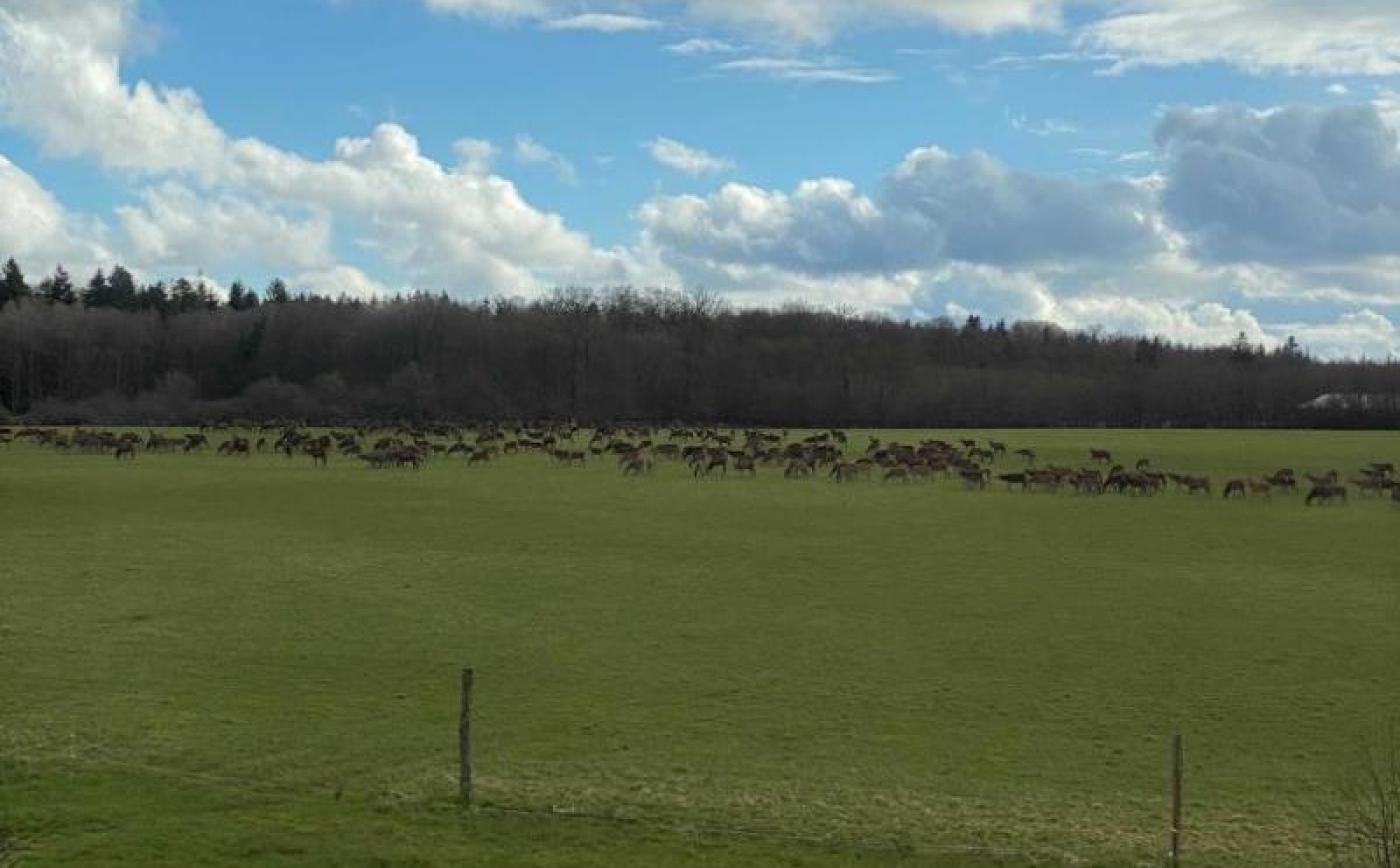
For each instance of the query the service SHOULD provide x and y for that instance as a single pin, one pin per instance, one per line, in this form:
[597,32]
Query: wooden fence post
[1177,762]
[464,739]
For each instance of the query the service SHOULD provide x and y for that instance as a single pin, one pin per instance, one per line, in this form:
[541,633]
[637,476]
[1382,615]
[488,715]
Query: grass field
[221,661]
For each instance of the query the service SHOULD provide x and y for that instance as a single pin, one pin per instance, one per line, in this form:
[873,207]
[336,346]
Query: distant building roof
[1352,401]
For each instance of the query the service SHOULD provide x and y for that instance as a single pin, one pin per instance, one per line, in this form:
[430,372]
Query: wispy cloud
[700,45]
[604,22]
[684,158]
[1043,128]
[797,69]
[532,153]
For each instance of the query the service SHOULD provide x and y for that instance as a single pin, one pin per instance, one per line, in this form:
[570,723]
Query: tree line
[115,351]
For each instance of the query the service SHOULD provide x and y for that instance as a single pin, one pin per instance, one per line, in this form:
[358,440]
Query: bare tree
[1362,828]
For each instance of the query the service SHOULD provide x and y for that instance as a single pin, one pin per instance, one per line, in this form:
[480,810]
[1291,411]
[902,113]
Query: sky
[1186,168]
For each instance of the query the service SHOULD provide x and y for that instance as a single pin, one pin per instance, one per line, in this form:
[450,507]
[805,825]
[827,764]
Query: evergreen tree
[122,289]
[58,289]
[97,293]
[183,296]
[154,297]
[12,285]
[277,292]
[241,297]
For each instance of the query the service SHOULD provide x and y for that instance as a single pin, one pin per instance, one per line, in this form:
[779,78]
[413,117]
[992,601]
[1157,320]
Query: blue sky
[1183,167]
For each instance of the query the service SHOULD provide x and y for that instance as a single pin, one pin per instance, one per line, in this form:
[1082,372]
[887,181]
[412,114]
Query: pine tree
[58,289]
[277,292]
[97,293]
[12,285]
[122,288]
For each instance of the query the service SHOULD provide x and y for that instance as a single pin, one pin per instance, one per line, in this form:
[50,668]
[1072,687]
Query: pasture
[215,660]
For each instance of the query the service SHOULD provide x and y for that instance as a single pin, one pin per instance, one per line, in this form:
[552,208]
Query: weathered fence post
[464,739]
[1177,761]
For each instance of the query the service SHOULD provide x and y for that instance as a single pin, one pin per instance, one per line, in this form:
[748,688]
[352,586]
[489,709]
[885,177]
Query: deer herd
[709,452]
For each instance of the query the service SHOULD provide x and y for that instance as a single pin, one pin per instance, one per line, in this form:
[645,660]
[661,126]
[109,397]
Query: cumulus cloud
[933,208]
[176,227]
[683,158]
[1293,185]
[61,82]
[475,155]
[35,228]
[1358,333]
[60,78]
[337,281]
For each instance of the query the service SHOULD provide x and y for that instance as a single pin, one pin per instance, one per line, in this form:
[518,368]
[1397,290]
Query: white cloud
[602,22]
[1327,37]
[177,227]
[1335,37]
[1293,185]
[684,158]
[1043,128]
[337,281]
[532,153]
[1358,333]
[933,208]
[793,20]
[1338,89]
[60,78]
[475,155]
[806,70]
[701,45]
[457,227]
[35,228]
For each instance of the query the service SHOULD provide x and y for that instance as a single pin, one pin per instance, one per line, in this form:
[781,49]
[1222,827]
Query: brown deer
[1325,494]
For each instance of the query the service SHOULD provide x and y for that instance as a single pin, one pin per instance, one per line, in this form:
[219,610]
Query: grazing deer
[798,468]
[1285,481]
[974,478]
[1013,479]
[1325,494]
[997,447]
[1370,484]
[1196,484]
[1236,488]
[707,466]
[1100,456]
[1028,454]
[636,464]
[1089,482]
[844,471]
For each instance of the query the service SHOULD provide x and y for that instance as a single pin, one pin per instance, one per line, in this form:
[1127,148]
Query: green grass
[218,661]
